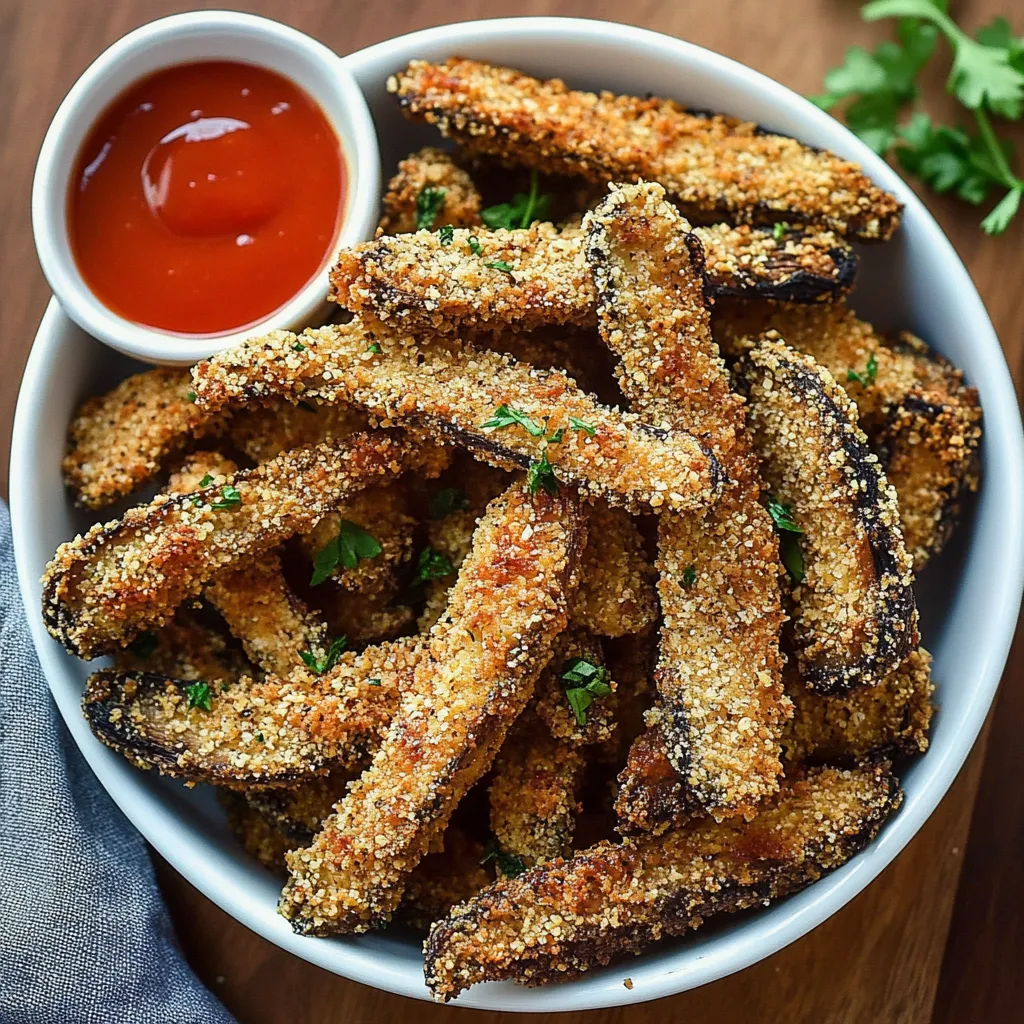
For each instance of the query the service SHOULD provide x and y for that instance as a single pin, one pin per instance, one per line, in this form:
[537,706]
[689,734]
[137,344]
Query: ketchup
[205,198]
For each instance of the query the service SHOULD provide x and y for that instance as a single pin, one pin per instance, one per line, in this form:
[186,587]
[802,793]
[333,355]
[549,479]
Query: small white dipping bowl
[969,596]
[183,39]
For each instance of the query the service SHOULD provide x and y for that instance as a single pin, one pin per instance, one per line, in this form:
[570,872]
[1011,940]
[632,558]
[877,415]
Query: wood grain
[880,959]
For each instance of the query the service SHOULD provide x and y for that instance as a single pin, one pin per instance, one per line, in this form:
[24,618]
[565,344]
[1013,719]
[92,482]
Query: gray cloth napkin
[84,933]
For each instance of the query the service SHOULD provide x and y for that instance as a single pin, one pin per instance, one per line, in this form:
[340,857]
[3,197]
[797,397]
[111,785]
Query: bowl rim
[803,912]
[155,43]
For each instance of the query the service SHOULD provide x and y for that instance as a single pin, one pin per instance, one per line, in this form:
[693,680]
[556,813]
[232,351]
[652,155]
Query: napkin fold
[84,933]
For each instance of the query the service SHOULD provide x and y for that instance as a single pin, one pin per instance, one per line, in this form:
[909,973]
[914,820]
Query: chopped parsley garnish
[507,415]
[432,565]
[689,576]
[373,682]
[190,395]
[144,644]
[446,501]
[351,544]
[374,348]
[328,661]
[869,374]
[474,245]
[206,481]
[587,682]
[258,737]
[225,686]
[230,497]
[582,425]
[789,539]
[428,206]
[446,233]
[542,474]
[505,268]
[522,211]
[507,863]
[779,230]
[297,346]
[782,516]
[199,696]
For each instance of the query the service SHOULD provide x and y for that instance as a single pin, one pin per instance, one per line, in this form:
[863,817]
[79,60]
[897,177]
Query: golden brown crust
[452,389]
[890,720]
[120,577]
[429,168]
[916,411]
[716,167]
[484,655]
[194,468]
[427,283]
[120,439]
[263,431]
[719,673]
[276,731]
[854,616]
[616,595]
[560,919]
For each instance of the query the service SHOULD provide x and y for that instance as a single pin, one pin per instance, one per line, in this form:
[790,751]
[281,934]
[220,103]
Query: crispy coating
[429,168]
[263,431]
[452,389]
[560,919]
[715,167]
[854,616]
[120,439]
[382,510]
[195,467]
[539,769]
[276,731]
[126,575]
[503,615]
[577,352]
[444,879]
[916,411]
[721,706]
[890,720]
[184,648]
[422,283]
[616,594]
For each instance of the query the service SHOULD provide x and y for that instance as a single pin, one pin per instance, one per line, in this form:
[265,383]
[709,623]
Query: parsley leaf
[522,211]
[374,348]
[432,565]
[206,481]
[869,374]
[508,864]
[793,558]
[474,245]
[582,425]
[258,737]
[373,682]
[428,206]
[199,696]
[446,501]
[351,544]
[779,230]
[589,681]
[689,576]
[505,268]
[190,395]
[230,497]
[330,658]
[144,644]
[541,474]
[297,346]
[782,516]
[507,415]
[446,233]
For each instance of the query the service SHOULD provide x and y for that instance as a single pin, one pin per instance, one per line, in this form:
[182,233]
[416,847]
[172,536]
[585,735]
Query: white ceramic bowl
[181,39]
[969,597]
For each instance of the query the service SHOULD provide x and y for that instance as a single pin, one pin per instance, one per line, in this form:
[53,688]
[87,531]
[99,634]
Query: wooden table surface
[940,936]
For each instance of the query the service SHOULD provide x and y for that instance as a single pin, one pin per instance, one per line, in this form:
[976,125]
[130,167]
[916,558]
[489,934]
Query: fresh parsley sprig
[508,864]
[587,682]
[986,76]
[522,211]
[321,664]
[867,377]
[199,695]
[428,206]
[351,544]
[789,538]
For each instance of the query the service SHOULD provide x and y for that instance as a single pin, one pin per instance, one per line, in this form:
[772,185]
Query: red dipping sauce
[205,198]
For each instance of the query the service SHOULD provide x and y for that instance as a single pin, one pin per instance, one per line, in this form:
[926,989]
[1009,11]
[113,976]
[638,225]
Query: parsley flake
[522,211]
[206,481]
[505,268]
[428,206]
[782,516]
[588,682]
[689,576]
[779,230]
[258,737]
[352,544]
[793,558]
[144,644]
[582,426]
[329,659]
[508,864]
[869,374]
[446,233]
[199,696]
[374,348]
[474,245]
[446,501]
[541,474]
[191,396]
[230,497]
[507,415]
[297,346]
[789,539]
[373,682]
[432,565]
